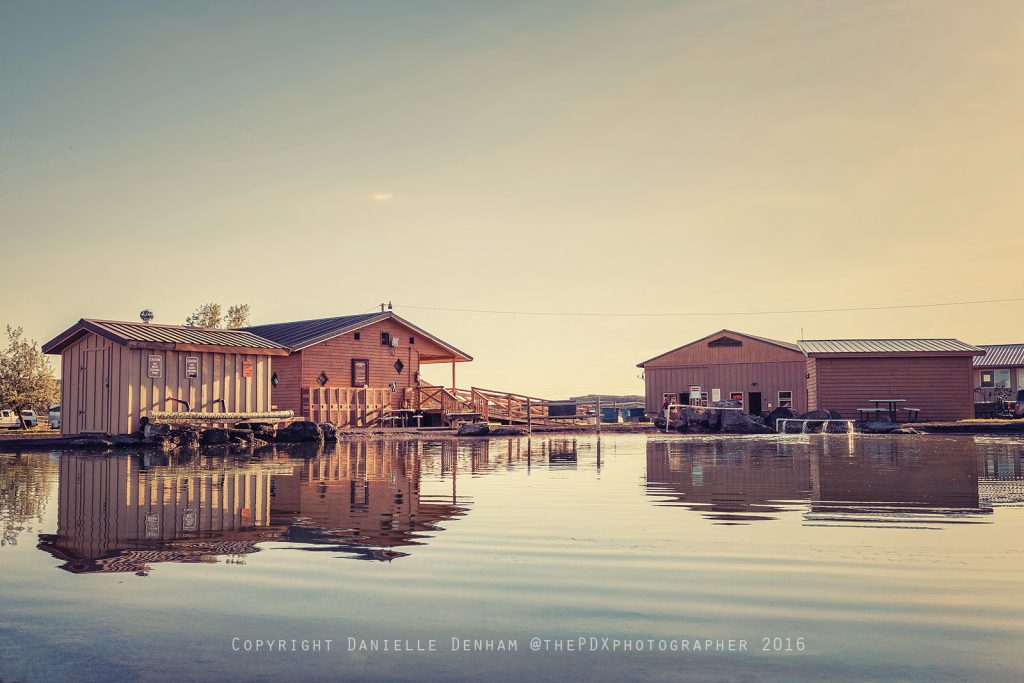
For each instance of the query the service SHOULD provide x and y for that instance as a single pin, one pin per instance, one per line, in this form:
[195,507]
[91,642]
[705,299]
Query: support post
[598,413]
[453,377]
[529,416]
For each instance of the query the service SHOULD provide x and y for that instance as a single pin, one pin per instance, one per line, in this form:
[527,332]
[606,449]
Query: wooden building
[114,373]
[349,370]
[999,372]
[760,373]
[933,375]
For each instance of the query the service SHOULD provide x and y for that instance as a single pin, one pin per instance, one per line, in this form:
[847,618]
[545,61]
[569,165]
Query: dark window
[322,378]
[274,381]
[987,379]
[399,366]
[412,340]
[356,336]
[385,339]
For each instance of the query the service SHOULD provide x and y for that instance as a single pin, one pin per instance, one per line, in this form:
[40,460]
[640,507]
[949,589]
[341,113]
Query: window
[785,399]
[703,398]
[1002,379]
[356,336]
[399,366]
[737,396]
[274,380]
[385,339]
[322,378]
[412,340]
[986,378]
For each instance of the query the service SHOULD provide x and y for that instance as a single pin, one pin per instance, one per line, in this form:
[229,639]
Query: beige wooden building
[115,373]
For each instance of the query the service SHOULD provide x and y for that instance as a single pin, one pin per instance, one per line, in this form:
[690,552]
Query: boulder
[329,430]
[508,431]
[123,440]
[880,427]
[659,422]
[180,439]
[697,421]
[243,436]
[214,436]
[300,432]
[905,430]
[677,425]
[778,414]
[817,415]
[474,430]
[735,422]
[151,431]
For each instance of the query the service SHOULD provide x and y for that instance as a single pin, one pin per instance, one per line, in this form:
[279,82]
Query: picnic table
[891,403]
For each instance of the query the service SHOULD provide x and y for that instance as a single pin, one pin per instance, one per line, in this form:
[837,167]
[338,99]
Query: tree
[210,315]
[26,377]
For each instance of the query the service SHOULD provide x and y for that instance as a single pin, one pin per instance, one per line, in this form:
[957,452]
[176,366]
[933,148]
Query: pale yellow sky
[314,160]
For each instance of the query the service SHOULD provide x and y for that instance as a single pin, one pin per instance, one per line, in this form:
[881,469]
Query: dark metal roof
[302,333]
[1000,355]
[140,333]
[305,333]
[840,346]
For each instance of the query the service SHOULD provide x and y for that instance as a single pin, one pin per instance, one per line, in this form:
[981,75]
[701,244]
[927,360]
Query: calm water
[865,558]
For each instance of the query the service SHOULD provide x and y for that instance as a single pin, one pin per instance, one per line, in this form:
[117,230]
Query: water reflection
[837,480]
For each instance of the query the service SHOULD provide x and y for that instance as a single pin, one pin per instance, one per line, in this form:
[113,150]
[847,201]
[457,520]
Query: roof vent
[146,315]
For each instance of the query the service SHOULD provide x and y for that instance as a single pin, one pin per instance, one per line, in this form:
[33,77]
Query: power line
[712,314]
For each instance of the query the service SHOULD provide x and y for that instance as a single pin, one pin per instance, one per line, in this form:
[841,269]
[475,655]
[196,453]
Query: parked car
[54,417]
[9,419]
[31,419]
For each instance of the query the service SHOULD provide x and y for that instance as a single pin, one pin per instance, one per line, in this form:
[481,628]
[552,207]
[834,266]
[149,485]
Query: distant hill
[608,398]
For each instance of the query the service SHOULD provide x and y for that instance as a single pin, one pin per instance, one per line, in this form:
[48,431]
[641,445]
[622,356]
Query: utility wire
[716,313]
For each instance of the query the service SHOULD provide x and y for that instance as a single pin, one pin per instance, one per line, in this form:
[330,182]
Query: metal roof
[302,334]
[840,346]
[1000,355]
[125,333]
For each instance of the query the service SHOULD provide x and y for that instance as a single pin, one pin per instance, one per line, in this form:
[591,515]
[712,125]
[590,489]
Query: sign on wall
[246,368]
[694,393]
[716,395]
[155,367]
[191,367]
[360,372]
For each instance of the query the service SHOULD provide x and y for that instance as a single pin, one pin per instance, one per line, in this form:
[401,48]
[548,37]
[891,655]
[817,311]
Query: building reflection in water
[364,500]
[121,513]
[832,480]
[728,481]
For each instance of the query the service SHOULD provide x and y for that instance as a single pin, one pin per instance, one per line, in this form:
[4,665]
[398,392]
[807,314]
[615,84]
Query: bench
[912,414]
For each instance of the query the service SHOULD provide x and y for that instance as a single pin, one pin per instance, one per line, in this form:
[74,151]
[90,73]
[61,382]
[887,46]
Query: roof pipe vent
[147,316]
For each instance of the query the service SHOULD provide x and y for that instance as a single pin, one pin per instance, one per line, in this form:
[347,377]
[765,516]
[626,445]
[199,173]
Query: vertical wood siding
[124,393]
[940,386]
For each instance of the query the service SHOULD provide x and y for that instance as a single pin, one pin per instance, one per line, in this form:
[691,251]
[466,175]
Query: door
[94,391]
[754,400]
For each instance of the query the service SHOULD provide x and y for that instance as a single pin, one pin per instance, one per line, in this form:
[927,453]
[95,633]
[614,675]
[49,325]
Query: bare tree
[211,315]
[237,316]
[26,377]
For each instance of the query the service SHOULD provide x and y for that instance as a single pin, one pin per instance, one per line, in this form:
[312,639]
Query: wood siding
[105,387]
[751,366]
[771,378]
[334,359]
[940,386]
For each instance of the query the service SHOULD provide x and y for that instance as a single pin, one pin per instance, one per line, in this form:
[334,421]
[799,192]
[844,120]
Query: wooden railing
[346,406]
[490,404]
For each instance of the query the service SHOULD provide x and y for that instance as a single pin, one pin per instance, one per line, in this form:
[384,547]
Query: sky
[717,159]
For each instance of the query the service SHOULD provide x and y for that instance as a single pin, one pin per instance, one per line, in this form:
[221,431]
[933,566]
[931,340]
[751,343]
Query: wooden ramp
[489,405]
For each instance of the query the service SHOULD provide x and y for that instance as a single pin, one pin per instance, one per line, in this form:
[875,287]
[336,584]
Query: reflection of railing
[347,406]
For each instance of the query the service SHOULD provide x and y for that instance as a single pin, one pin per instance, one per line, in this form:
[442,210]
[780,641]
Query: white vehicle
[31,419]
[9,420]
[54,417]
